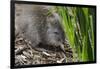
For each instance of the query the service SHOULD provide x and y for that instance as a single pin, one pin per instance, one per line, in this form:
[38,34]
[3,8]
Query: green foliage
[78,24]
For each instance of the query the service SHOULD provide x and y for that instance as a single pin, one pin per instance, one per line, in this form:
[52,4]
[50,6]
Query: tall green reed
[78,24]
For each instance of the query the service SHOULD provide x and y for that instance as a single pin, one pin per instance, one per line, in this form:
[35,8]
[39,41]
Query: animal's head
[55,33]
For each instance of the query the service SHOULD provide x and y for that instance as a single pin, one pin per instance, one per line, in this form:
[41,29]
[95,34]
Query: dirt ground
[25,55]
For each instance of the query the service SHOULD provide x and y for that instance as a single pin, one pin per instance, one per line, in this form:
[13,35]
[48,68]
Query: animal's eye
[55,22]
[56,33]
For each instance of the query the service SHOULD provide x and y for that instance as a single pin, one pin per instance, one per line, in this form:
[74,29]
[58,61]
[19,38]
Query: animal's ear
[53,17]
[50,19]
[56,15]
